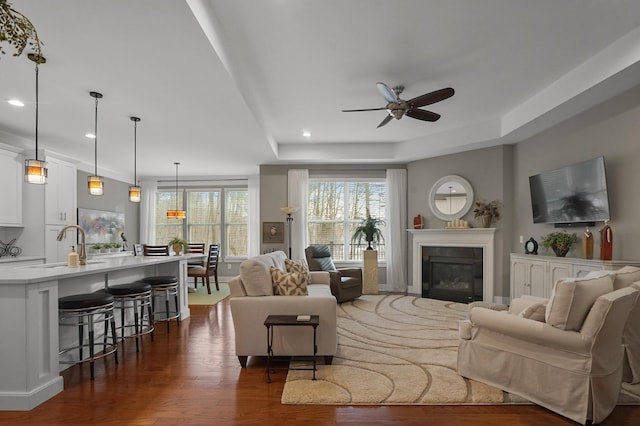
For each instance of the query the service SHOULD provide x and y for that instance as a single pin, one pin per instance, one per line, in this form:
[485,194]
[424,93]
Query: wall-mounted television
[571,195]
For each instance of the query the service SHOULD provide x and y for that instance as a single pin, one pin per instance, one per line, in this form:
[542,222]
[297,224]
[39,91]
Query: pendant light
[95,183]
[34,169]
[134,190]
[176,214]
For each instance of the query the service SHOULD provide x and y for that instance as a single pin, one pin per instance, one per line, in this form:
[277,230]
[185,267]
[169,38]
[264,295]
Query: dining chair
[149,250]
[195,248]
[205,271]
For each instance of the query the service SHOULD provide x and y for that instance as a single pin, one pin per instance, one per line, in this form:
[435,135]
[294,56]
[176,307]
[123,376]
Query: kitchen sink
[60,264]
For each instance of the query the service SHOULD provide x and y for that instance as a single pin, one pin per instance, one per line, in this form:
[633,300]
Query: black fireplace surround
[452,273]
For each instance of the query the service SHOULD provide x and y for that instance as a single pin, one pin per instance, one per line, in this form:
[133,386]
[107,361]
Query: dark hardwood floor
[191,376]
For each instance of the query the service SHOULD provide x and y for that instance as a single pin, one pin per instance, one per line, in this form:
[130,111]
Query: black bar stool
[88,309]
[134,297]
[165,286]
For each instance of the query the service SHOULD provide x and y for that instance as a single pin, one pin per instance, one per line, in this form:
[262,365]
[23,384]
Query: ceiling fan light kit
[397,107]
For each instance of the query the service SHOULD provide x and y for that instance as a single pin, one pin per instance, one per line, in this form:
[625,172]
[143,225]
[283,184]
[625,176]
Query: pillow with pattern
[299,266]
[289,283]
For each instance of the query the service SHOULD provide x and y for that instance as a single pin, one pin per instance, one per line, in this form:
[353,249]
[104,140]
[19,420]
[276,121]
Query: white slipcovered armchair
[565,354]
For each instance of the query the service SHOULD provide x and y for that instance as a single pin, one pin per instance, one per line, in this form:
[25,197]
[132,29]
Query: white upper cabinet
[11,178]
[61,192]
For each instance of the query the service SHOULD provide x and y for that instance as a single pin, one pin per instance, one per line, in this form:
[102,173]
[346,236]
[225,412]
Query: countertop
[17,259]
[55,271]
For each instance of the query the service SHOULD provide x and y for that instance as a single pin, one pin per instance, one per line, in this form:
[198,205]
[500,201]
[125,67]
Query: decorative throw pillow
[571,300]
[255,278]
[534,312]
[289,283]
[299,266]
[625,276]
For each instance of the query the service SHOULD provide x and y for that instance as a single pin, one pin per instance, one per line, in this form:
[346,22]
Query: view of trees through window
[335,209]
[208,213]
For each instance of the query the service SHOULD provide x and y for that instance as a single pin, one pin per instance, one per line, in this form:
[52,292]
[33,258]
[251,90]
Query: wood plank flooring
[192,377]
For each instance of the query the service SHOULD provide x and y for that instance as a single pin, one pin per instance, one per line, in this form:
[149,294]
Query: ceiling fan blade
[366,109]
[385,121]
[431,98]
[423,115]
[386,91]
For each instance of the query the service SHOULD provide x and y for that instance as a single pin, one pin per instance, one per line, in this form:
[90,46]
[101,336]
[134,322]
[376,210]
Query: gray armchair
[346,283]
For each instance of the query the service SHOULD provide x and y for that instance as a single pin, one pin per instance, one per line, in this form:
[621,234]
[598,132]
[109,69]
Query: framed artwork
[273,232]
[101,226]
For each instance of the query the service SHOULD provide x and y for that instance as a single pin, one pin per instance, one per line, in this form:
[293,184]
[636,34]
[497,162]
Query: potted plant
[177,244]
[115,247]
[369,230]
[560,242]
[488,212]
[97,247]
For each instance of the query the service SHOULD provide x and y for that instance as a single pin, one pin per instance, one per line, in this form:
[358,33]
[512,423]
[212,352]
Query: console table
[274,321]
[535,275]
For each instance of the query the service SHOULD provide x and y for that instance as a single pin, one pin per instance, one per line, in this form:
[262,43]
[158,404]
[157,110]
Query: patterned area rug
[398,350]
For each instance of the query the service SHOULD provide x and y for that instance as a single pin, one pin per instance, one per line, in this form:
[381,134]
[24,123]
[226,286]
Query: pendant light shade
[176,214]
[35,171]
[95,184]
[134,190]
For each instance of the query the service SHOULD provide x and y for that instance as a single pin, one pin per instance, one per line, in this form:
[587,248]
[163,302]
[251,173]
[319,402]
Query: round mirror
[451,197]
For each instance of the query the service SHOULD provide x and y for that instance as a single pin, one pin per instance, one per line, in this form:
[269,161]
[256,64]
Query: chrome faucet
[82,253]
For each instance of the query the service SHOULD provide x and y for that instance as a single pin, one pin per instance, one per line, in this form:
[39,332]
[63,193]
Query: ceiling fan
[397,107]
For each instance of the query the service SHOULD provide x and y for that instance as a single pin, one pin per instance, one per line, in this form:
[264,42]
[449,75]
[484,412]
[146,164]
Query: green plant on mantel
[17,30]
[489,212]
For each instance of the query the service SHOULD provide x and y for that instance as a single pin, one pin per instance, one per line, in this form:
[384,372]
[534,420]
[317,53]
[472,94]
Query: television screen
[571,194]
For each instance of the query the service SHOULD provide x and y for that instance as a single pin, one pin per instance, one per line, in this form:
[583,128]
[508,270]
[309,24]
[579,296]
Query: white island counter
[29,338]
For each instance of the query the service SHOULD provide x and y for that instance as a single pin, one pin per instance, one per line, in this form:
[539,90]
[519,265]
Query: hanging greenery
[17,31]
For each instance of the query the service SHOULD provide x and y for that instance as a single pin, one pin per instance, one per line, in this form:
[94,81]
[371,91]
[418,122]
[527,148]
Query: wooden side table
[274,321]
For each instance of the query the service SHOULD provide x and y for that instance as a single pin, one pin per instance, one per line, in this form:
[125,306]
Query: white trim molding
[472,237]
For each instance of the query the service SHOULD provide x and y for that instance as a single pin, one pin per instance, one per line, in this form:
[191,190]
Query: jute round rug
[395,349]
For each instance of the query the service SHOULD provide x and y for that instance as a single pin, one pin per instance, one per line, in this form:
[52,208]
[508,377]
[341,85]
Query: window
[209,213]
[336,207]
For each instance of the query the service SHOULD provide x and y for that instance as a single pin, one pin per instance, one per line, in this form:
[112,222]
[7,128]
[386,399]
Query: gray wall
[115,199]
[489,172]
[611,129]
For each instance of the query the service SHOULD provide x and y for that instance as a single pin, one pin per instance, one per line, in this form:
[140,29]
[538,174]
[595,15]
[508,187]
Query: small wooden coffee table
[274,321]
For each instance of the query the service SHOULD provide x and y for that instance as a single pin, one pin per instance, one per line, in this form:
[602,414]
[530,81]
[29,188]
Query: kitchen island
[29,333]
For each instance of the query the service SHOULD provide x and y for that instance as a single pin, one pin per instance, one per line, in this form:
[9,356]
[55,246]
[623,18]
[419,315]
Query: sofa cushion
[572,298]
[256,278]
[299,266]
[289,283]
[625,276]
[535,312]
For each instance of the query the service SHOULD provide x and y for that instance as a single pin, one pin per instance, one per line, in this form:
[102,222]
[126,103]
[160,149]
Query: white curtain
[148,211]
[298,194]
[253,226]
[396,238]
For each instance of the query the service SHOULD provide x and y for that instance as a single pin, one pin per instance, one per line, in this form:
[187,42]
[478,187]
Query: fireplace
[480,239]
[452,273]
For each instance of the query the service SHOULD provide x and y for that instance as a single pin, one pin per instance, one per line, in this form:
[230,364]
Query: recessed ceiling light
[16,102]
[90,136]
[306,134]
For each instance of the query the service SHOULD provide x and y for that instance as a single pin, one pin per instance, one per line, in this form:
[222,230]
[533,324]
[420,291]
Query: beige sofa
[252,300]
[565,353]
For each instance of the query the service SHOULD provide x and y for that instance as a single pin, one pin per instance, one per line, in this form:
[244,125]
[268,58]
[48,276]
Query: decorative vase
[177,249]
[560,252]
[486,220]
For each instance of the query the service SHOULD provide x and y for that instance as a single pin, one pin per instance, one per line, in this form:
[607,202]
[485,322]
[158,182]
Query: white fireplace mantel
[470,237]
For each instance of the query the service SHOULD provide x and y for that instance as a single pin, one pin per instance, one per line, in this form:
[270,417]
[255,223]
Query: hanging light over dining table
[176,214]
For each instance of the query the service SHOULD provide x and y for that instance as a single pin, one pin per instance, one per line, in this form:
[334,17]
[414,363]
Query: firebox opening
[452,273]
